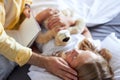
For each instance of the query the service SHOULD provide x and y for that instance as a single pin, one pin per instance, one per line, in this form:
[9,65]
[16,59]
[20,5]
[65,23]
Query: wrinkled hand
[26,12]
[60,68]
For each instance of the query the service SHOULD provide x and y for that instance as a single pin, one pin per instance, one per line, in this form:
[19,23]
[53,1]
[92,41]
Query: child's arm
[45,37]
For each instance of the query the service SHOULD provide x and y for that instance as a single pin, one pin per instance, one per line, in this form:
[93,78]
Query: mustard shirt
[10,11]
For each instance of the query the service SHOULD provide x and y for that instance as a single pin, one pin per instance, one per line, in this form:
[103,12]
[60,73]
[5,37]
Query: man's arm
[54,65]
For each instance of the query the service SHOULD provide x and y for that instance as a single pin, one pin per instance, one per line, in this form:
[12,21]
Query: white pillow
[112,43]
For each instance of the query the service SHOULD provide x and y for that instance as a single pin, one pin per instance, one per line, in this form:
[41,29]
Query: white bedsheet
[95,11]
[41,74]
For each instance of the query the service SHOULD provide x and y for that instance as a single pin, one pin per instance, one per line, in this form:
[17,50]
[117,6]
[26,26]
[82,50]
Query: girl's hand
[50,11]
[45,14]
[60,67]
[60,20]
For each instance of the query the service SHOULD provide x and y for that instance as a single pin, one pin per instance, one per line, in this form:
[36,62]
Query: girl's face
[80,57]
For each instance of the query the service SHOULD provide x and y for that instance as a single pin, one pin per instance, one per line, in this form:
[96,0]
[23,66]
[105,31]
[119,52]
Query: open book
[27,32]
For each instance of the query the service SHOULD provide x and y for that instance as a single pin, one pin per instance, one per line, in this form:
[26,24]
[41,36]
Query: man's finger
[68,69]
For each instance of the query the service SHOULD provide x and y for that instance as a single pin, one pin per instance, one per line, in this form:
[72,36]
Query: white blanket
[93,11]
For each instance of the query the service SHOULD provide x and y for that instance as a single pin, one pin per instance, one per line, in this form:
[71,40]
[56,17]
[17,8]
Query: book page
[15,34]
[27,32]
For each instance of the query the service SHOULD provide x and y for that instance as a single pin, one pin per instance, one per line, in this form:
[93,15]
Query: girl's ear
[105,53]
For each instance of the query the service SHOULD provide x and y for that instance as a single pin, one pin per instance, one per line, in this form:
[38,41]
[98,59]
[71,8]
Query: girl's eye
[75,56]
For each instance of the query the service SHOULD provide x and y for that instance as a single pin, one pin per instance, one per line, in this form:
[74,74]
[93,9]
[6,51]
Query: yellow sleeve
[28,2]
[2,13]
[13,50]
[9,47]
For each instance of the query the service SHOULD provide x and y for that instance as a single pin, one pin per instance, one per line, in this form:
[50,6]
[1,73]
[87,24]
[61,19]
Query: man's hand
[50,11]
[60,67]
[54,65]
[26,11]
